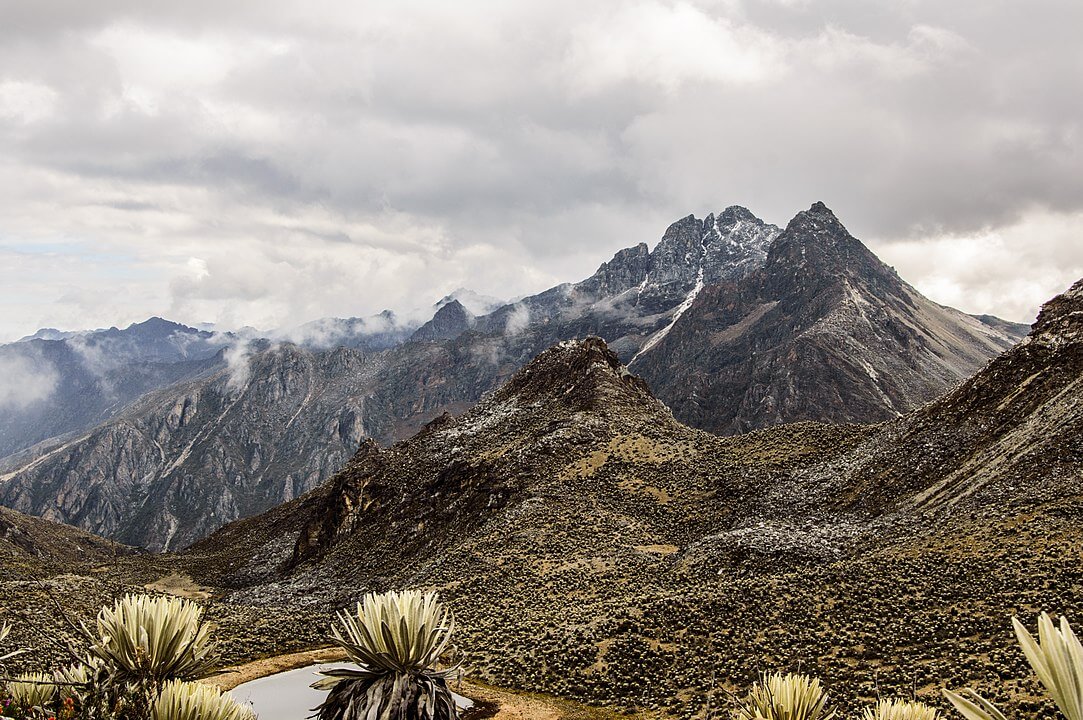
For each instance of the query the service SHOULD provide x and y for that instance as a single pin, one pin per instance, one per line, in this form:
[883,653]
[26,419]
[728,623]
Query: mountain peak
[719,248]
[476,303]
[737,213]
[1060,321]
[818,217]
[159,324]
[816,243]
[681,245]
[627,269]
[449,322]
[584,373]
[49,334]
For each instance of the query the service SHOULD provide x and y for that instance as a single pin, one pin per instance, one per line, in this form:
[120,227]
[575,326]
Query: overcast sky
[267,163]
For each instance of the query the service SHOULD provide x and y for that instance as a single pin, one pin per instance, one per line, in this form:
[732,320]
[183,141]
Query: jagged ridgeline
[735,325]
[593,546]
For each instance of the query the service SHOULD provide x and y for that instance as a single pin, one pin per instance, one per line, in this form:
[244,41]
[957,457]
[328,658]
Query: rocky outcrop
[31,547]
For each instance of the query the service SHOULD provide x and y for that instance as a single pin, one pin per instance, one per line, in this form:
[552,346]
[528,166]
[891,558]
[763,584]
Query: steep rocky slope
[72,383]
[735,324]
[824,331]
[184,461]
[1008,440]
[594,547]
[31,547]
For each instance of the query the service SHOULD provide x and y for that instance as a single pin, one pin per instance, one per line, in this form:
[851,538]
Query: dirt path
[180,585]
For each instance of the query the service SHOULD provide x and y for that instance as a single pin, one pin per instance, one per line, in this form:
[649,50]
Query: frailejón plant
[1057,659]
[181,700]
[789,696]
[974,707]
[901,710]
[396,639]
[144,639]
[31,690]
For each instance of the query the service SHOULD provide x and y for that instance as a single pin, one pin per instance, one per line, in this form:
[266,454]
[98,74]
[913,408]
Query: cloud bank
[270,163]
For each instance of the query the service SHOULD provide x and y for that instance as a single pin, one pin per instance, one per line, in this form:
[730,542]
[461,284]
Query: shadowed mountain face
[734,323]
[593,546]
[824,331]
[1010,438]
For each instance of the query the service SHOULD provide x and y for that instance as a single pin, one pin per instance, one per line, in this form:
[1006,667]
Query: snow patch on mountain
[685,304]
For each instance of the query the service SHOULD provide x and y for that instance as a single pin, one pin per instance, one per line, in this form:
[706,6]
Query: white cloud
[837,50]
[26,102]
[668,45]
[24,381]
[1011,270]
[269,163]
[238,357]
[517,320]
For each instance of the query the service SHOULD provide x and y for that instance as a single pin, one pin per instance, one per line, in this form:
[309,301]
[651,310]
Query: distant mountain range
[59,383]
[735,324]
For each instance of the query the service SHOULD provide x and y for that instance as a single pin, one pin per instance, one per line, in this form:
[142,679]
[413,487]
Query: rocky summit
[823,331]
[734,323]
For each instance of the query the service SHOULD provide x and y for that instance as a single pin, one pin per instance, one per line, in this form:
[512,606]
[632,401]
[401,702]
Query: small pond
[287,695]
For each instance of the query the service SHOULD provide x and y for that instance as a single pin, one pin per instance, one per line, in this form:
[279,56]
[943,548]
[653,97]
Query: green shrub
[788,696]
[396,639]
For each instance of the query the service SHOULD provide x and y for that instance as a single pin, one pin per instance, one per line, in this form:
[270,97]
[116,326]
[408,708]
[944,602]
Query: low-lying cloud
[518,319]
[25,381]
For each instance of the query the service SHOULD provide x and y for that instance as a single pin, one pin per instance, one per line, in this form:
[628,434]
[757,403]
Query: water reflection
[287,695]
